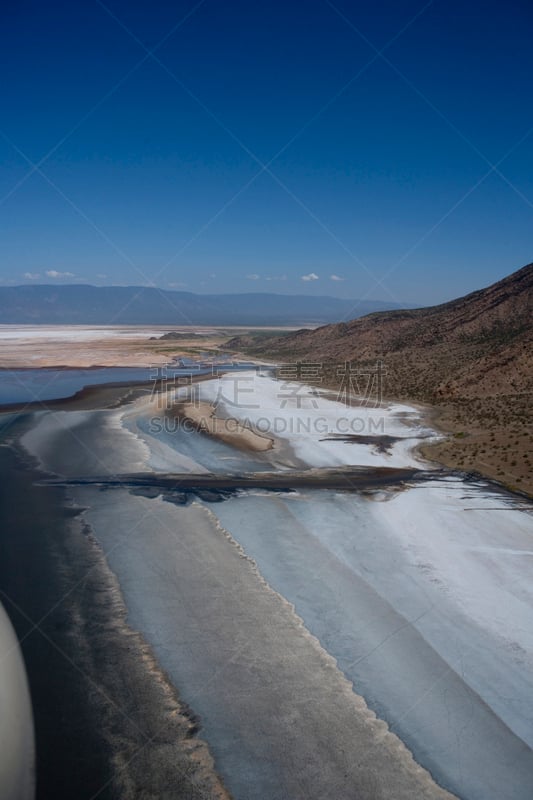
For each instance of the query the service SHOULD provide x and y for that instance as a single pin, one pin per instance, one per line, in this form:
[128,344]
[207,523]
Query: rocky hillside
[476,345]
[471,358]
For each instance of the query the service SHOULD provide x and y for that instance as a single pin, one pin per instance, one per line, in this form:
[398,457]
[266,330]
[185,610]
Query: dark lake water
[29,385]
[33,385]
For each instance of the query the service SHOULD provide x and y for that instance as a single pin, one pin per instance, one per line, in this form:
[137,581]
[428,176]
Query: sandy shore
[204,418]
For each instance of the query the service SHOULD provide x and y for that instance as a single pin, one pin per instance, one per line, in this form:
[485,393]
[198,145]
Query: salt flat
[305,419]
[79,346]
[74,333]
[418,601]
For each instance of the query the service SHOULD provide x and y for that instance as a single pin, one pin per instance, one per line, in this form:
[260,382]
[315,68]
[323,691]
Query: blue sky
[381,149]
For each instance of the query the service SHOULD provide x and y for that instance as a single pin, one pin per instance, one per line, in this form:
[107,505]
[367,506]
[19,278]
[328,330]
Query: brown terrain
[113,346]
[470,360]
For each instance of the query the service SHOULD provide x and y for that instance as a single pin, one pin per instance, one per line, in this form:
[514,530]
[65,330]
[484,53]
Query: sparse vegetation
[463,358]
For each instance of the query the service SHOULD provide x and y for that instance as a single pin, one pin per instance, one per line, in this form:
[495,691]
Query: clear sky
[379,149]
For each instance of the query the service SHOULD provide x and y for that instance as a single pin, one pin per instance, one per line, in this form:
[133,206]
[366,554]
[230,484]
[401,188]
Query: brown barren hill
[471,359]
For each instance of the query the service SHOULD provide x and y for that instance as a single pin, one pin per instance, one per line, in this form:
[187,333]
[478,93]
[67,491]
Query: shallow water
[447,682]
[174,447]
[422,597]
[281,720]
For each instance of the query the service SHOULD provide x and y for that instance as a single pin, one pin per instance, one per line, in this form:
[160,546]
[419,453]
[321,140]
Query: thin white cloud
[311,277]
[53,273]
[276,278]
[335,278]
[32,276]
[253,277]
[177,285]
[102,276]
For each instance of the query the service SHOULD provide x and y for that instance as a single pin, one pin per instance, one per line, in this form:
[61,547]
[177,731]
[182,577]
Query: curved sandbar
[203,418]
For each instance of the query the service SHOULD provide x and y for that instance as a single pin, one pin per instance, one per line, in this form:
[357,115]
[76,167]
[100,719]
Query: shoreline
[103,681]
[447,452]
[203,417]
[470,441]
[108,520]
[256,675]
[88,398]
[447,449]
[96,396]
[108,720]
[458,449]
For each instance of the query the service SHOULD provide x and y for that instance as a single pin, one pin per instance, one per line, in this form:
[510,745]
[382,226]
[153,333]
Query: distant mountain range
[78,304]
